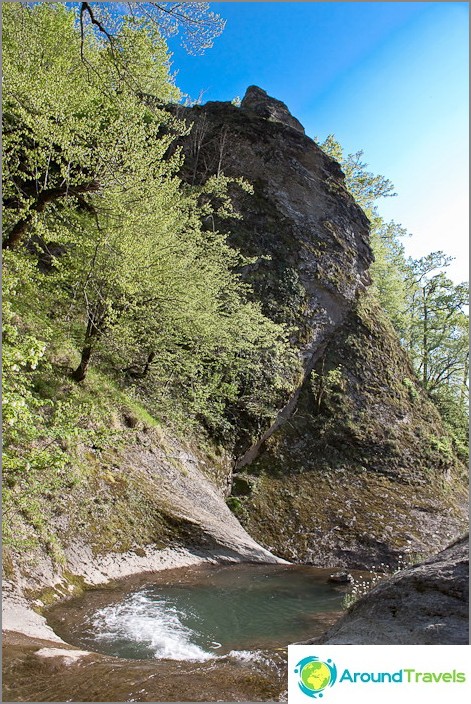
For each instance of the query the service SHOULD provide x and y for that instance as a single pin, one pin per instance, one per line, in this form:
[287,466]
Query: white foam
[248,656]
[153,623]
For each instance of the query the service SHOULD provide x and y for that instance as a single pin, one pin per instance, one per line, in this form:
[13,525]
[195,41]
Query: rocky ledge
[427,604]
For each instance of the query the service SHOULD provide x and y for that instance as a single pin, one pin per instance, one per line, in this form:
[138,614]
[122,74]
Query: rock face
[308,236]
[427,604]
[356,468]
[260,103]
[361,473]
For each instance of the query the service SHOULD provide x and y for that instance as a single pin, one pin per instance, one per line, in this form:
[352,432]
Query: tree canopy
[107,264]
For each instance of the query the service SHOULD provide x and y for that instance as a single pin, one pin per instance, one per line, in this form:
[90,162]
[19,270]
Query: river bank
[24,598]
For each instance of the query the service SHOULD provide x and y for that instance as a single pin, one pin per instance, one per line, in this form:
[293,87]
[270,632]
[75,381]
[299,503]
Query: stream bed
[203,633]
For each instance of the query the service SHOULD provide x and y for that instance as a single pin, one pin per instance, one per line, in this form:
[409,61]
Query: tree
[68,130]
[388,269]
[367,188]
[198,24]
[437,338]
[92,181]
[427,309]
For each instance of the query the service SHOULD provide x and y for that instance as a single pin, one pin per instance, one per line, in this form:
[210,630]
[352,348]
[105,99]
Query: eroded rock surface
[427,604]
[259,102]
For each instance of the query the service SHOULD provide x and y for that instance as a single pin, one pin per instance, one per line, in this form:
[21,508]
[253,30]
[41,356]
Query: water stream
[207,633]
[201,613]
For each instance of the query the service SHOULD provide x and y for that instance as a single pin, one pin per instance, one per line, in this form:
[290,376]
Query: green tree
[92,188]
[366,187]
[68,130]
[427,309]
[389,268]
[437,337]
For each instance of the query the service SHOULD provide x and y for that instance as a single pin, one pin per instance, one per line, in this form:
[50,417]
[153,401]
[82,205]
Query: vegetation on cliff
[107,264]
[428,310]
[147,282]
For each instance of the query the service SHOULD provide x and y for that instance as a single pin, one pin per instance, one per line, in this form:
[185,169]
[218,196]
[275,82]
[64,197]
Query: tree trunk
[49,195]
[16,233]
[150,359]
[134,373]
[80,373]
[95,327]
[425,351]
[464,385]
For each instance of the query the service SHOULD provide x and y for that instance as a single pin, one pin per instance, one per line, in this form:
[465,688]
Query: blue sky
[389,78]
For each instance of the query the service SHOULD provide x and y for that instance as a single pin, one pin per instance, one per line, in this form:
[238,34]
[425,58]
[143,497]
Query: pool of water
[202,613]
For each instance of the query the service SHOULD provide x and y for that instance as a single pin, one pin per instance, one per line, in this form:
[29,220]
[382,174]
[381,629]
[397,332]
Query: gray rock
[427,604]
[340,578]
[382,490]
[258,101]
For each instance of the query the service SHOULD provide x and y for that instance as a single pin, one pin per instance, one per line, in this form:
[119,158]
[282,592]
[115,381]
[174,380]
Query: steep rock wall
[356,467]
[309,237]
[362,473]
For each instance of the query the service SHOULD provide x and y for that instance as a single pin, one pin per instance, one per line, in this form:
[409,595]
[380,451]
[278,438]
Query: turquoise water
[202,613]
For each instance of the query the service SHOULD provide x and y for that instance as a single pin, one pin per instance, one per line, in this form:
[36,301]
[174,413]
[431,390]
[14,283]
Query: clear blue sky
[389,78]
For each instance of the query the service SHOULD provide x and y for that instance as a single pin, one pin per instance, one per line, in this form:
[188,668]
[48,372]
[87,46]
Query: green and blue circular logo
[315,675]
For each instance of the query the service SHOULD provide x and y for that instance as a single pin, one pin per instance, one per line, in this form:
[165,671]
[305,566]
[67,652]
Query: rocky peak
[259,102]
[351,428]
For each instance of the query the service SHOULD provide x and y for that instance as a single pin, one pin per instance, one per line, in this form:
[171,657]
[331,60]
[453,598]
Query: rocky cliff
[308,237]
[356,468]
[353,469]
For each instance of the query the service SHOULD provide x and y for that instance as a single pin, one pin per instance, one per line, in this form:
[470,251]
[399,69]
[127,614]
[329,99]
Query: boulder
[427,604]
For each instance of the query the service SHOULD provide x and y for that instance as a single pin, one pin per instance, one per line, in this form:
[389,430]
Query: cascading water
[144,625]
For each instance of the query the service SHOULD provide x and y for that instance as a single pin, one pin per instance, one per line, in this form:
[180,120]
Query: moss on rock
[363,471]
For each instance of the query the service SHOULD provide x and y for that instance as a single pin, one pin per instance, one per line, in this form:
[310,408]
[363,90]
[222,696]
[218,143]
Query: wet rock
[427,604]
[340,578]
[104,678]
[68,657]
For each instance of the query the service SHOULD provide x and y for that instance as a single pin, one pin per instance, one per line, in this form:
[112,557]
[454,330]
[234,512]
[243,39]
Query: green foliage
[365,186]
[108,266]
[327,386]
[40,433]
[388,269]
[410,386]
[428,311]
[153,293]
[71,127]
[235,504]
[437,336]
[454,412]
